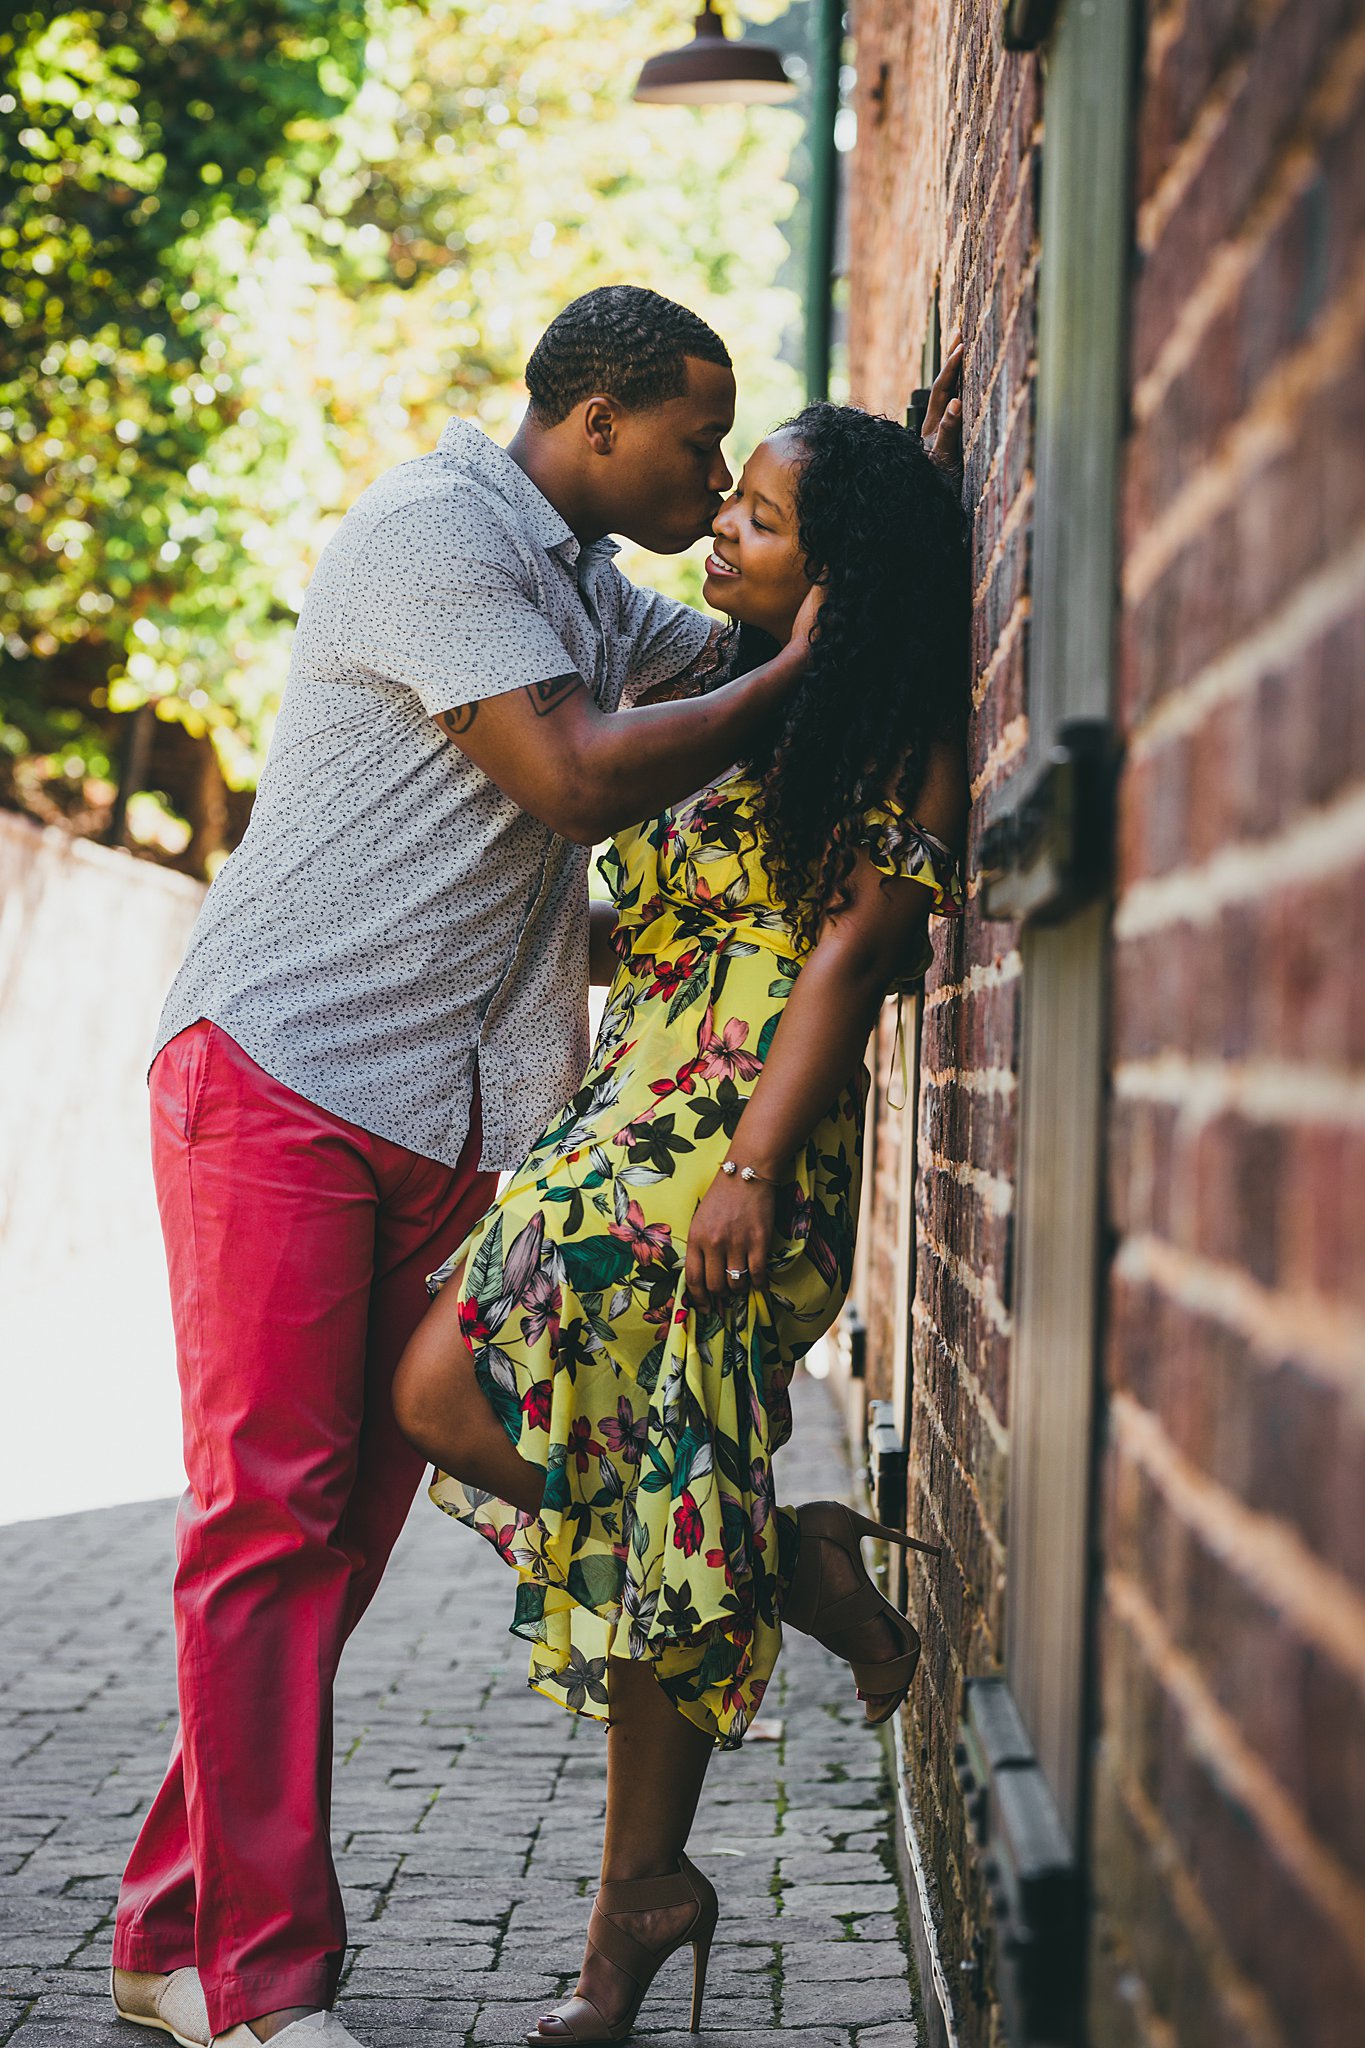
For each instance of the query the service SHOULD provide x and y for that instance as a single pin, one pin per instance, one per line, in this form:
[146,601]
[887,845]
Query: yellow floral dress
[659,1536]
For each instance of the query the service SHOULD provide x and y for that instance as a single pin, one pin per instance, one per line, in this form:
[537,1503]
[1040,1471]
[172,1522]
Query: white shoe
[314,2028]
[173,2003]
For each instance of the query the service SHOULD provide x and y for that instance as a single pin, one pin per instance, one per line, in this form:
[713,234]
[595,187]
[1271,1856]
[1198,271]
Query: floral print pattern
[659,1536]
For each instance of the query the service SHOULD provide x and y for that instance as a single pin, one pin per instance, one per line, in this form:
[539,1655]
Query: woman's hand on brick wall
[942,429]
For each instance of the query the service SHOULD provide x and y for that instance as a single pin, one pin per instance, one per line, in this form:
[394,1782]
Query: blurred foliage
[252,252]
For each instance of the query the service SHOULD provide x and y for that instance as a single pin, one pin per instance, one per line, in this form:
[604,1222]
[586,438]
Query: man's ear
[601,416]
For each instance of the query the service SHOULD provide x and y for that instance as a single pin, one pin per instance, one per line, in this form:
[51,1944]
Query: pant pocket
[178,1077]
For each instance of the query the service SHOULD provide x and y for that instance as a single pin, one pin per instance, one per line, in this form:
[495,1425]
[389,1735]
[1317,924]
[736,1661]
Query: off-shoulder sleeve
[898,845]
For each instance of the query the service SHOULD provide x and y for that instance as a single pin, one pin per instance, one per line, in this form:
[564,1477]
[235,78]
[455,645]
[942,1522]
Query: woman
[605,1386]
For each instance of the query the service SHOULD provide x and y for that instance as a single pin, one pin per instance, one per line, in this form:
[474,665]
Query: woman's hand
[942,429]
[732,1232]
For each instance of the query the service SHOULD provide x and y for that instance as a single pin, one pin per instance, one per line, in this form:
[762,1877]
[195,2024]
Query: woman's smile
[757,544]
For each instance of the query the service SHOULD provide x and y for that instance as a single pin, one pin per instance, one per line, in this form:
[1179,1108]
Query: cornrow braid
[623,340]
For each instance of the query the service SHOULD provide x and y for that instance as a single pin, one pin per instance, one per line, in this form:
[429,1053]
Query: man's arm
[707,669]
[673,649]
[586,772]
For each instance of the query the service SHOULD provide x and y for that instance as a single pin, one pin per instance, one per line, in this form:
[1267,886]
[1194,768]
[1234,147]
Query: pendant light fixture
[713,68]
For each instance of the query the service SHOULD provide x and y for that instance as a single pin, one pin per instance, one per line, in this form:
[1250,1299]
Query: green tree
[132,136]
[253,254]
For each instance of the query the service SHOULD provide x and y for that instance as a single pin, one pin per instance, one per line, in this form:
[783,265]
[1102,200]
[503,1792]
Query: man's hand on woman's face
[942,429]
[803,626]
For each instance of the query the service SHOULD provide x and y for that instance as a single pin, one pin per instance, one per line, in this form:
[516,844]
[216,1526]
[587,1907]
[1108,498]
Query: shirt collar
[470,445]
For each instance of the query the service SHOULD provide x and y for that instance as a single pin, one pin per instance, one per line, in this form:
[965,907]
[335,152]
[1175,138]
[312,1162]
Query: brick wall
[1228,1854]
[943,195]
[1230,1860]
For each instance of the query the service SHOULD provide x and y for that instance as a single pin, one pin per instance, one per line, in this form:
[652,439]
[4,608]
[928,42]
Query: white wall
[89,941]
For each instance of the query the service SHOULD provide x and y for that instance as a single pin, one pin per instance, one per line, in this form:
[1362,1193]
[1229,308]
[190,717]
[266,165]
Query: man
[383,1000]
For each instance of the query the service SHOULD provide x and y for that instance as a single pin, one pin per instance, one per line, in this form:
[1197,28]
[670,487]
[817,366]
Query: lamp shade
[712,68]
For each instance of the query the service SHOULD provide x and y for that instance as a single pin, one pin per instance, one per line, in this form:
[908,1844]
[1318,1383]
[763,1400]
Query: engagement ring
[734,1273]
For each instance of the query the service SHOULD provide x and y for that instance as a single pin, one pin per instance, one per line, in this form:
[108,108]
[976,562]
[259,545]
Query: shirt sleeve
[668,641]
[439,598]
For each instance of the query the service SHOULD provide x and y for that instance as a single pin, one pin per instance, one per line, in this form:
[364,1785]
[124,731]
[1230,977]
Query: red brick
[1280,1434]
[1146,1955]
[962,1125]
[1238,1186]
[1276,975]
[1267,1921]
[1293,1704]
[1298,731]
[1158,993]
[1318,1245]
[1288,57]
[1299,265]
[1176,87]
[1287,517]
[975,1029]
[1309,997]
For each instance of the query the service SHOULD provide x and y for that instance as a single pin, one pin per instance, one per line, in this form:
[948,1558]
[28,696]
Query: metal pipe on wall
[827,52]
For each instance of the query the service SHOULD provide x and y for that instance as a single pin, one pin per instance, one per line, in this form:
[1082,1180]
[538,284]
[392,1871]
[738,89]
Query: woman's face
[756,571]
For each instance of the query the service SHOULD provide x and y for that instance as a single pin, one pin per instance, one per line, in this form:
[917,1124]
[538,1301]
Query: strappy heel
[834,1618]
[578,2018]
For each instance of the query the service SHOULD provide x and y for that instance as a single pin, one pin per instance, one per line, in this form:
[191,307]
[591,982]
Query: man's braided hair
[622,340]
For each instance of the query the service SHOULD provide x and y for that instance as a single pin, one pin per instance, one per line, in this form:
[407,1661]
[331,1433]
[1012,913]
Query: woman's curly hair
[881,528]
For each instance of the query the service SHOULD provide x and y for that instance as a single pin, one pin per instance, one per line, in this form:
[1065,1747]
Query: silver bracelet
[730,1168]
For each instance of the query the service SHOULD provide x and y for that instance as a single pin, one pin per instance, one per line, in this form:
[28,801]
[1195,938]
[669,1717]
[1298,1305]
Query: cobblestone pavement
[467,1813]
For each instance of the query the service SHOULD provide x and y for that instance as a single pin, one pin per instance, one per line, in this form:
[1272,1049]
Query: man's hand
[804,624]
[942,429]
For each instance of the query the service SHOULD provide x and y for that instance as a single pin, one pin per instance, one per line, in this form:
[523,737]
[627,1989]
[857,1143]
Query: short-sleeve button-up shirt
[392,927]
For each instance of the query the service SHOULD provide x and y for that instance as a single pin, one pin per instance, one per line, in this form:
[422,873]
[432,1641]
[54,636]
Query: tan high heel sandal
[577,2018]
[835,1616]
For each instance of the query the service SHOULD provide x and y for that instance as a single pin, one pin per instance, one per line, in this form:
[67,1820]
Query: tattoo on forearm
[547,696]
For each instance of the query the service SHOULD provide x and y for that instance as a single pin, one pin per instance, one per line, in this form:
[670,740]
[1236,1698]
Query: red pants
[297,1246]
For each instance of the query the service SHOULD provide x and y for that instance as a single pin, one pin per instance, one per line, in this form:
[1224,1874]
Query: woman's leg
[825,1577]
[656,1763]
[442,1411]
[649,1744]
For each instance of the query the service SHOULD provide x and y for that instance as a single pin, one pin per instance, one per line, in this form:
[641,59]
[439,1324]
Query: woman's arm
[602,960]
[816,1049]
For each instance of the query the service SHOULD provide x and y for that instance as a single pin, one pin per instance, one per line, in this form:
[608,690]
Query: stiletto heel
[701,1956]
[837,1619]
[866,1527]
[577,2019]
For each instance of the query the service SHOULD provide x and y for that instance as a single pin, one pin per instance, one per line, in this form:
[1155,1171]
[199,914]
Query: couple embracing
[383,1006]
